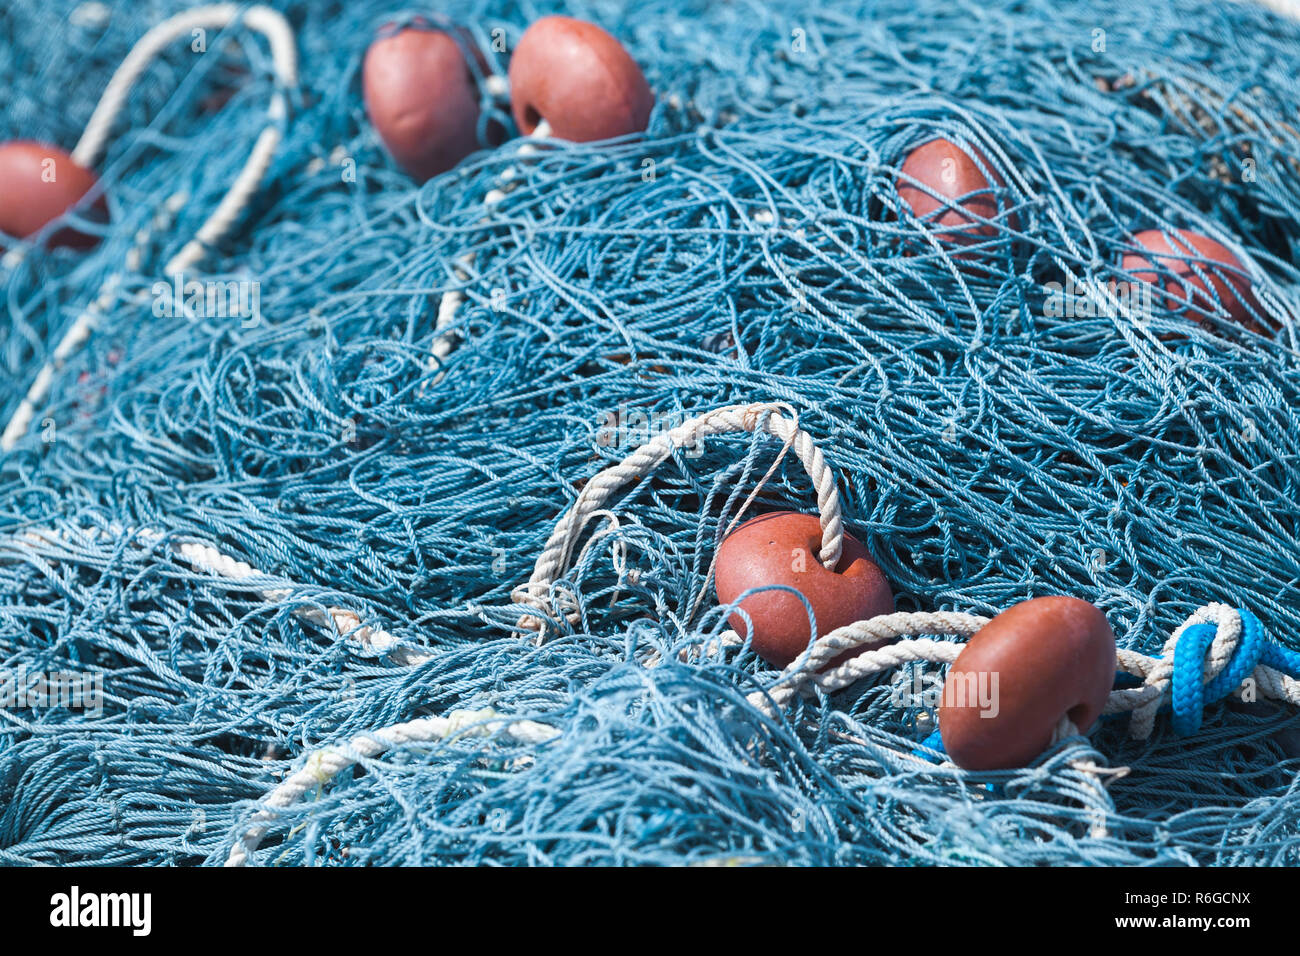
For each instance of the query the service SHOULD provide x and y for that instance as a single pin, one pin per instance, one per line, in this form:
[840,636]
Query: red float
[950,173]
[580,80]
[782,548]
[1033,664]
[422,99]
[38,184]
[1193,259]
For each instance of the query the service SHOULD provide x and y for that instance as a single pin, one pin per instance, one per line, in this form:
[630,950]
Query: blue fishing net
[750,247]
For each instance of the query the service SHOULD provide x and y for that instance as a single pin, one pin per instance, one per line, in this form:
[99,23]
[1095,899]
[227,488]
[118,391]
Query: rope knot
[1213,654]
[751,417]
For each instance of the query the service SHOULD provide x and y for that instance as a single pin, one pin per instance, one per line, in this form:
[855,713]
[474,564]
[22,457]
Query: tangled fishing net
[380,476]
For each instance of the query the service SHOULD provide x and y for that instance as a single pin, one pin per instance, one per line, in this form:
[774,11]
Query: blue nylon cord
[1190,694]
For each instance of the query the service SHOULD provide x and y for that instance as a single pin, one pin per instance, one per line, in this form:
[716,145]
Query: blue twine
[750,247]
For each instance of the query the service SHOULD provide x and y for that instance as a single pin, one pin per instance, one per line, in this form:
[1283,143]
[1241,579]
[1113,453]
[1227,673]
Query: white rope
[444,341]
[1286,8]
[322,765]
[70,344]
[1157,672]
[87,322]
[776,418]
[1143,701]
[285,60]
[207,559]
[806,668]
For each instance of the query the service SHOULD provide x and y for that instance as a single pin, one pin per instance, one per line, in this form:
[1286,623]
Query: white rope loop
[775,418]
[285,60]
[284,57]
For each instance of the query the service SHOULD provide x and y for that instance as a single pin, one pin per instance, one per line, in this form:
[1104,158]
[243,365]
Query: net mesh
[751,247]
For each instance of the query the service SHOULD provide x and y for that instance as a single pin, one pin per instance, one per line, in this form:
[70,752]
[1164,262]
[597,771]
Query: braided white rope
[326,763]
[69,345]
[806,668]
[775,418]
[285,59]
[1157,672]
[1286,8]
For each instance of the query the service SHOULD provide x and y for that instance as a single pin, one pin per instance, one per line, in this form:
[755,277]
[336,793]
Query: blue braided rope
[1190,694]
